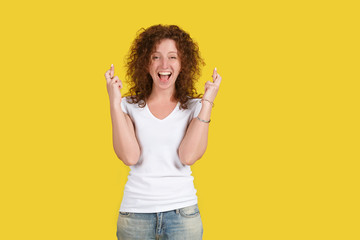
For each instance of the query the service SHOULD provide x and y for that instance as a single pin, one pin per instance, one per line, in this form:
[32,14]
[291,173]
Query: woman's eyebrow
[168,52]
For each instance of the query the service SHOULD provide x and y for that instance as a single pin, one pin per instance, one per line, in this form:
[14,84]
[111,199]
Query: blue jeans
[183,223]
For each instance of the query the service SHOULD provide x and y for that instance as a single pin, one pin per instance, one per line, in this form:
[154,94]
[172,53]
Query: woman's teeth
[164,76]
[164,73]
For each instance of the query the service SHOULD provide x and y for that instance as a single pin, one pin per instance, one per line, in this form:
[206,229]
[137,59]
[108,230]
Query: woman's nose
[164,63]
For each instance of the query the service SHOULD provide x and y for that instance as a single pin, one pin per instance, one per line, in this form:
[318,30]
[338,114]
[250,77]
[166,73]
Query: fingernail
[112,65]
[215,69]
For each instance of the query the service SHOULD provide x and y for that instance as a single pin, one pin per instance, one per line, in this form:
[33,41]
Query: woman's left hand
[211,88]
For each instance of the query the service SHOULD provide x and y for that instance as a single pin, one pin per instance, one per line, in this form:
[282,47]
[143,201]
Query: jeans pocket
[190,212]
[124,214]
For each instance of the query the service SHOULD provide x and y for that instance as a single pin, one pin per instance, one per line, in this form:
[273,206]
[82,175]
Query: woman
[159,130]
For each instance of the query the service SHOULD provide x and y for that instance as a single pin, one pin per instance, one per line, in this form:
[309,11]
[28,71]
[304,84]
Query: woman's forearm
[194,144]
[125,143]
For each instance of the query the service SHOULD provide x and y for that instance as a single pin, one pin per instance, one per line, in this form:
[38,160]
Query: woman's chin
[164,86]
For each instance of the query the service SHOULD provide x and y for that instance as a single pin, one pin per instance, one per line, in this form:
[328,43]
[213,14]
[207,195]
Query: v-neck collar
[170,114]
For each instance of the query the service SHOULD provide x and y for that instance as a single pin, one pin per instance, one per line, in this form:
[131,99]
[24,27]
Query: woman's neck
[162,95]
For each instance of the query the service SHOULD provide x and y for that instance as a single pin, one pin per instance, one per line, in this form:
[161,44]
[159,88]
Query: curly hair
[138,60]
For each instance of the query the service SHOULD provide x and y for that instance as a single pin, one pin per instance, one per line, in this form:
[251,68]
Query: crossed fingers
[110,79]
[109,74]
[216,77]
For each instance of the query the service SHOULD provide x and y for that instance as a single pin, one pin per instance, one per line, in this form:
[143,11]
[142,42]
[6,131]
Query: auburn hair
[139,57]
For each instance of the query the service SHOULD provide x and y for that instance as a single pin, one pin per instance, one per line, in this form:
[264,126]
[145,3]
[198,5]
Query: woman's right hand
[113,85]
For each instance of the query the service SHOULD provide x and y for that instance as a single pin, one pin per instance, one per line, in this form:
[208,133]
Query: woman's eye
[155,57]
[173,57]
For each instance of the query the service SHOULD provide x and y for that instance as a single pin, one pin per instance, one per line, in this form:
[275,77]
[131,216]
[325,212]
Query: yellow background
[283,154]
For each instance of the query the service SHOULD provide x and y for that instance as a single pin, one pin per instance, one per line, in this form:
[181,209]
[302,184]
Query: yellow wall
[283,153]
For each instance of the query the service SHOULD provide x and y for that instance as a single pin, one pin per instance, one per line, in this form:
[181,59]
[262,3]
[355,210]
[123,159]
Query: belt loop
[177,211]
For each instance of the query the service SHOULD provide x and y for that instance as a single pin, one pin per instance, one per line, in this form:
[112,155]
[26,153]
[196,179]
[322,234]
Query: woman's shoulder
[193,101]
[126,104]
[131,102]
[128,99]
[193,104]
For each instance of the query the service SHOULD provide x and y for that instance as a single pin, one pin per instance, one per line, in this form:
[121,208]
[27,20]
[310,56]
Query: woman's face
[165,64]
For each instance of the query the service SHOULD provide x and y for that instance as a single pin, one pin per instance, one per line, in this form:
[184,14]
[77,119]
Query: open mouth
[164,76]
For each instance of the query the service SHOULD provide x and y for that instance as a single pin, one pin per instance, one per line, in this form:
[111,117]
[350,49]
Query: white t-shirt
[159,181]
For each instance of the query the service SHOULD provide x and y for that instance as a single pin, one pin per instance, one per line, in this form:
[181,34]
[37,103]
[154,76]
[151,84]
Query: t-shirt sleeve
[124,105]
[197,107]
